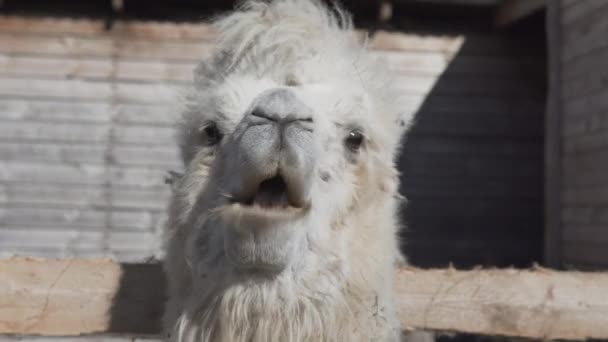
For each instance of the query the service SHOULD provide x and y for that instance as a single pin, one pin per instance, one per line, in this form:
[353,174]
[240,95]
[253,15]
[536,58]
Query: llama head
[289,129]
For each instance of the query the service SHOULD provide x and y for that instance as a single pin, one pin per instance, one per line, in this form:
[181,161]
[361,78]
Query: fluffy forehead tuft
[297,43]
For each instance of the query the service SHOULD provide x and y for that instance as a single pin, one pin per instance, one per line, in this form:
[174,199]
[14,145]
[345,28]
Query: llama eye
[354,140]
[210,135]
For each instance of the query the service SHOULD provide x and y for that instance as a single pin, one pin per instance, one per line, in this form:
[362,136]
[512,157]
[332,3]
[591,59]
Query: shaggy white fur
[333,260]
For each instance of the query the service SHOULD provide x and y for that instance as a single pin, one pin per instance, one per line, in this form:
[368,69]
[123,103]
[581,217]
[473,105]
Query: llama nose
[282,107]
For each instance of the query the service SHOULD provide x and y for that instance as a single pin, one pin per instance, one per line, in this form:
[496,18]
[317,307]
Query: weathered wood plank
[589,195]
[103,46]
[585,169]
[58,195]
[585,214]
[585,35]
[37,109]
[581,125]
[159,157]
[465,188]
[160,136]
[150,93]
[584,143]
[584,66]
[71,297]
[97,69]
[94,28]
[84,174]
[578,12]
[420,165]
[84,219]
[468,146]
[43,242]
[588,256]
[87,338]
[586,82]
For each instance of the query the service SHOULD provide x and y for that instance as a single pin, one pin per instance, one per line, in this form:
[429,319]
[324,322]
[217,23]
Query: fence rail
[76,296]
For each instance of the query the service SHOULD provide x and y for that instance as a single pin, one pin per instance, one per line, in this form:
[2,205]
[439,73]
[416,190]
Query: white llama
[284,225]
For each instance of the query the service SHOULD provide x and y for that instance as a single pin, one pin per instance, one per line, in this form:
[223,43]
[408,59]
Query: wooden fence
[76,296]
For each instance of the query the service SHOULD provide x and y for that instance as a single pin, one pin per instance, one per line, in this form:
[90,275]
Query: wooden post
[553,148]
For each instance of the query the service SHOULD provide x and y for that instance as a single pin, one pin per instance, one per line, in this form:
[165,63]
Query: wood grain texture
[73,297]
[584,133]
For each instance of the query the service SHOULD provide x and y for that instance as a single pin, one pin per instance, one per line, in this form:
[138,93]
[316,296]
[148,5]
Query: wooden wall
[584,133]
[473,162]
[86,137]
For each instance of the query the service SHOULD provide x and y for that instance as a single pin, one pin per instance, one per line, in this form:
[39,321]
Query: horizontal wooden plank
[156,93]
[76,242]
[585,169]
[591,141]
[87,338]
[588,103]
[586,195]
[590,233]
[466,187]
[94,28]
[163,136]
[472,146]
[474,209]
[57,195]
[116,47]
[578,13]
[85,219]
[419,165]
[584,66]
[456,232]
[513,125]
[580,125]
[36,109]
[70,153]
[96,69]
[85,174]
[586,35]
[590,81]
[585,214]
[590,256]
[48,297]
[521,251]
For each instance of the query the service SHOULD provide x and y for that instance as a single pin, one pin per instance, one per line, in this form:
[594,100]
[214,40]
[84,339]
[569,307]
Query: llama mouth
[271,193]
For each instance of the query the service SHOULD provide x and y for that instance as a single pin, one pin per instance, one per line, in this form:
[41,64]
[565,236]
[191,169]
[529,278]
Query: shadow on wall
[472,164]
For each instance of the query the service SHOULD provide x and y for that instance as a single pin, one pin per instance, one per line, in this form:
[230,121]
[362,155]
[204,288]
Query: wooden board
[73,297]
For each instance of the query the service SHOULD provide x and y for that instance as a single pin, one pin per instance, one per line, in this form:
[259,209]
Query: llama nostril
[262,115]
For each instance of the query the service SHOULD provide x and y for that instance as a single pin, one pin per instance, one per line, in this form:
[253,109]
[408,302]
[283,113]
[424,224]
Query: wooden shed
[88,94]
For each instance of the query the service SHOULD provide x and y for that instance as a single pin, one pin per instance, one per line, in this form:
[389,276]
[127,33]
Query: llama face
[289,129]
[278,165]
